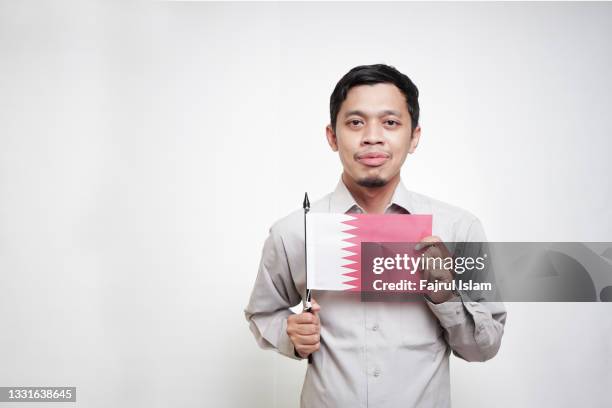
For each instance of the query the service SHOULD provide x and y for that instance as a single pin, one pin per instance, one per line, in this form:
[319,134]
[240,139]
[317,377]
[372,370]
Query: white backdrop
[146,148]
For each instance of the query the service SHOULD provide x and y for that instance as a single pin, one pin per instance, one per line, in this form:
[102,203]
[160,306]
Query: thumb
[315,306]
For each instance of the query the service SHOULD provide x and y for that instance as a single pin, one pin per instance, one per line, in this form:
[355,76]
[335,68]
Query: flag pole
[307,303]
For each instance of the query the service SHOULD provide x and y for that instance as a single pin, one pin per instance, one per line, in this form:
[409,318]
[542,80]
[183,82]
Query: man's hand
[304,330]
[435,248]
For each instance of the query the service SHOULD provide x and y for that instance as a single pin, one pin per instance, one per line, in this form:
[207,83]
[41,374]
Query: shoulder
[291,226]
[454,222]
[440,208]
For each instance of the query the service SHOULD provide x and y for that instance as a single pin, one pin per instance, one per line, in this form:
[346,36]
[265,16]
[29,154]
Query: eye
[354,122]
[391,122]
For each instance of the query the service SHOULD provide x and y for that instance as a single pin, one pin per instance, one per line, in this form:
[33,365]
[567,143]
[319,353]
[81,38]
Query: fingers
[306,318]
[304,323]
[437,275]
[310,340]
[426,274]
[304,330]
[427,241]
[433,246]
[306,350]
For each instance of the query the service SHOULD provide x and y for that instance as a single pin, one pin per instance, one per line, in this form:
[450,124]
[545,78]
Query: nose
[373,135]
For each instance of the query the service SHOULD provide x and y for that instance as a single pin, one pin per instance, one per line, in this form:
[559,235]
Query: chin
[372,182]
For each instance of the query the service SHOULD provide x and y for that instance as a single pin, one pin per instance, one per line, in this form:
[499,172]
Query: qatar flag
[334,250]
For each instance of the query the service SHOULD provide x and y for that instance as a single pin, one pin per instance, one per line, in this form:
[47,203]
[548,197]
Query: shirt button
[377,373]
[375,327]
[458,311]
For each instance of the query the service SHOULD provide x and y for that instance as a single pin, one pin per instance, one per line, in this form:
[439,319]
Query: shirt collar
[342,200]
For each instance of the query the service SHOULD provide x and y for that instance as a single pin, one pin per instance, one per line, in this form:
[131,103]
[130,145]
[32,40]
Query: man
[372,354]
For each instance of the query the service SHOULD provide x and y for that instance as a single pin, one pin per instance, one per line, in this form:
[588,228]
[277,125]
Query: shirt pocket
[417,327]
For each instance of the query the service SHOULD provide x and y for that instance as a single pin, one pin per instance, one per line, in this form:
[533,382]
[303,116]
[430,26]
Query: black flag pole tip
[307,303]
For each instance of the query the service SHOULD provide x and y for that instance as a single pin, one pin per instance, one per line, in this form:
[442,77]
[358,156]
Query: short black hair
[370,75]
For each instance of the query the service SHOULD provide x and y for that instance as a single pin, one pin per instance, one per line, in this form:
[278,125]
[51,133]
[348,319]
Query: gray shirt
[374,354]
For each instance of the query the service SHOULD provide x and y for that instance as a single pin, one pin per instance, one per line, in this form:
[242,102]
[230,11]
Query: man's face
[373,134]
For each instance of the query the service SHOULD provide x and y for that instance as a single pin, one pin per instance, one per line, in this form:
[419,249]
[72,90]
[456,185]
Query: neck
[372,200]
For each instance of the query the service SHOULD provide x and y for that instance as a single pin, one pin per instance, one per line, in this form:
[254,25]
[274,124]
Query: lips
[373,159]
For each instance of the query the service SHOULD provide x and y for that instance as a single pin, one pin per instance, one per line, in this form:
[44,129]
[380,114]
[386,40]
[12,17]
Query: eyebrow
[382,113]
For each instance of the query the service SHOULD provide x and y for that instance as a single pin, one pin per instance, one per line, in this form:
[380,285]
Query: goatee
[372,182]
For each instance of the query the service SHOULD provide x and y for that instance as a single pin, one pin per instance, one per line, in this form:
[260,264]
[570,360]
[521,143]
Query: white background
[146,148]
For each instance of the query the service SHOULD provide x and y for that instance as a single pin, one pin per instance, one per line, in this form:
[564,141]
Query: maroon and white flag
[334,244]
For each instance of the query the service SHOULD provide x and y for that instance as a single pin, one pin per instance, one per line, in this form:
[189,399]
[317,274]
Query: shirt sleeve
[473,324]
[273,294]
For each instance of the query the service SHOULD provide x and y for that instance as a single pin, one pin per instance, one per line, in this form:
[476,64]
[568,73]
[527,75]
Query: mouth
[373,159]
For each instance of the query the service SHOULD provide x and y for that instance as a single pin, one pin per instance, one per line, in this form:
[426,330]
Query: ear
[414,141]
[331,138]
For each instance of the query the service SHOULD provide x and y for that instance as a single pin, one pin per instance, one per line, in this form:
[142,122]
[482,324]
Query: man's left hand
[434,248]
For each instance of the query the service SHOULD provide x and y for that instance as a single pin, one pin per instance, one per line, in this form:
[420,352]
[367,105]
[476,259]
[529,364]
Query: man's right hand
[304,330]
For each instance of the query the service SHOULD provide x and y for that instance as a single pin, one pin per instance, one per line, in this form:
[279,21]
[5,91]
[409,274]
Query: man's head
[374,113]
